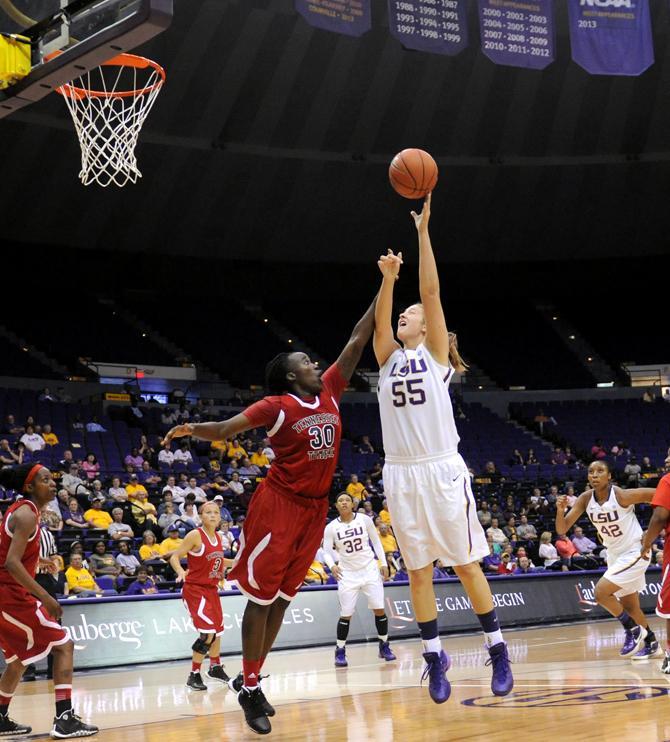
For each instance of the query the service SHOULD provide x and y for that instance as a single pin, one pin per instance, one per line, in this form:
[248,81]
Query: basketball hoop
[108,105]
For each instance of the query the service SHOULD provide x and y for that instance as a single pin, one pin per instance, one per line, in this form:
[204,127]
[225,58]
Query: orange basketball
[413,173]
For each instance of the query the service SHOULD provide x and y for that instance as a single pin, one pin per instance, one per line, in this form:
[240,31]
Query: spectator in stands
[571,556]
[666,394]
[365,446]
[94,426]
[146,450]
[389,544]
[96,517]
[176,492]
[524,566]
[126,560]
[183,413]
[102,562]
[135,489]
[171,543]
[384,513]
[525,531]
[597,451]
[647,468]
[247,469]
[235,450]
[117,529]
[510,508]
[134,459]
[143,585]
[495,532]
[32,441]
[79,580]
[531,458]
[490,471]
[559,457]
[658,558]
[552,495]
[165,456]
[235,484]
[521,552]
[75,517]
[516,458]
[495,511]
[260,459]
[484,514]
[116,492]
[62,501]
[142,501]
[46,396]
[7,456]
[225,513]
[549,553]
[401,574]
[510,529]
[51,520]
[147,476]
[66,462]
[439,570]
[632,472]
[583,543]
[168,518]
[570,495]
[73,483]
[492,561]
[194,489]
[91,466]
[182,455]
[355,488]
[227,539]
[11,427]
[169,417]
[507,564]
[50,438]
[316,574]
[150,550]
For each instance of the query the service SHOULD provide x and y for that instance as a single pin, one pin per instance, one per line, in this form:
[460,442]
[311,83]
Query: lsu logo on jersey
[606,517]
[413,366]
[350,532]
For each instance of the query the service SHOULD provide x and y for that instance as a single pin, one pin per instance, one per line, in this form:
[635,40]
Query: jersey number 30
[408,391]
[321,436]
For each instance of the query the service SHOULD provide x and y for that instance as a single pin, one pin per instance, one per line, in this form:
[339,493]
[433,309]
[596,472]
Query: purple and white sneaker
[502,681]
[633,641]
[647,651]
[436,669]
[385,652]
[341,657]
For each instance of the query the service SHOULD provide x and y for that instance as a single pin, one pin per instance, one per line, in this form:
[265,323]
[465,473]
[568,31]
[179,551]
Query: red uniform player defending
[286,518]
[206,566]
[659,520]
[28,627]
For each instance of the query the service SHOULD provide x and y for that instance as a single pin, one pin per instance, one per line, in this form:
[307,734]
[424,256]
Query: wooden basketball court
[570,681]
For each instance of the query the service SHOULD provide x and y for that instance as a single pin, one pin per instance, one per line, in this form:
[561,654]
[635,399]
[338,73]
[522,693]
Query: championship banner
[350,17]
[434,26]
[611,37]
[518,33]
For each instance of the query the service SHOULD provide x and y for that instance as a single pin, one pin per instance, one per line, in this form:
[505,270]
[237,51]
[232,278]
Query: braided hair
[275,374]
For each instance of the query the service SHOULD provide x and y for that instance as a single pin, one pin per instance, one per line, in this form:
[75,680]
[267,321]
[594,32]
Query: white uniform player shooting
[612,512]
[346,541]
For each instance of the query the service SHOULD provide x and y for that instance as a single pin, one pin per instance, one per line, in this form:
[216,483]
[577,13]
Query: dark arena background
[255,228]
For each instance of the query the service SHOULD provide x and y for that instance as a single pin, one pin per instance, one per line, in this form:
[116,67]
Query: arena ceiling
[271,142]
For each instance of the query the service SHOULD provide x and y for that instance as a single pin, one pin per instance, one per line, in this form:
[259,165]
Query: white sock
[432,645]
[341,643]
[384,638]
[495,637]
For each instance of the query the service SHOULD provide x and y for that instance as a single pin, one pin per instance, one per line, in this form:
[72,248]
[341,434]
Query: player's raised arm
[638,496]
[360,336]
[218,431]
[437,335]
[384,342]
[564,523]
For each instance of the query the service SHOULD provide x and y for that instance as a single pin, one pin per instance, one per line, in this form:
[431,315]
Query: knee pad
[201,645]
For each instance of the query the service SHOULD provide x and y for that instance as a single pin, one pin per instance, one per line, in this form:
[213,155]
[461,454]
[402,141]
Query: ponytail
[454,356]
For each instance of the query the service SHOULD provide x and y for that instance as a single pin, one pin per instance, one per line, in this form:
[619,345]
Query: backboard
[69,37]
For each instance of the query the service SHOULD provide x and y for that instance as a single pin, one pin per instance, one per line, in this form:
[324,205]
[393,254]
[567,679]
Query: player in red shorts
[28,614]
[659,520]
[287,514]
[204,551]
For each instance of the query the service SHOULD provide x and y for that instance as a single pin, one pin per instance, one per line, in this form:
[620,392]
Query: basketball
[413,173]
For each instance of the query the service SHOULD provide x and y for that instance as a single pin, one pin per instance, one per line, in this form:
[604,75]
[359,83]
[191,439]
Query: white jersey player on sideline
[347,540]
[612,512]
[426,482]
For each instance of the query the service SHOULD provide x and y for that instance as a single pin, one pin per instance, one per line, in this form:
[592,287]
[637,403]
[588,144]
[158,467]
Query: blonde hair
[545,538]
[455,358]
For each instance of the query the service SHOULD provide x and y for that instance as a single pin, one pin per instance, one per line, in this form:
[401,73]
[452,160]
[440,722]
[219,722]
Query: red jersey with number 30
[31,554]
[206,566]
[305,435]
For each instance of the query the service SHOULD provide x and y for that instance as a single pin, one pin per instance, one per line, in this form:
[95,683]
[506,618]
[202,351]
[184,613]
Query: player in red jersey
[206,566]
[287,514]
[28,628]
[659,521]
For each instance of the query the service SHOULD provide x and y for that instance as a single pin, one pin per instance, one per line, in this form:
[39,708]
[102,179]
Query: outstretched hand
[421,220]
[179,431]
[389,264]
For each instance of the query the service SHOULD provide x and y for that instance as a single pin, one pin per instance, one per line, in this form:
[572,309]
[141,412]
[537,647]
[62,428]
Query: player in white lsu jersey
[346,541]
[426,482]
[612,512]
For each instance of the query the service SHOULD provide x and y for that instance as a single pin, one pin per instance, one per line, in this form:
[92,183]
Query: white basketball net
[108,105]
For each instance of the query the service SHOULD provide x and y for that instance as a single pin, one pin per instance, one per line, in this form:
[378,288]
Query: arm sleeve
[263,414]
[333,381]
[376,542]
[662,495]
[329,547]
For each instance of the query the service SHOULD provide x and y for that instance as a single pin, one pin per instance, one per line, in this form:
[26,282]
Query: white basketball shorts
[433,512]
[627,572]
[368,581]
